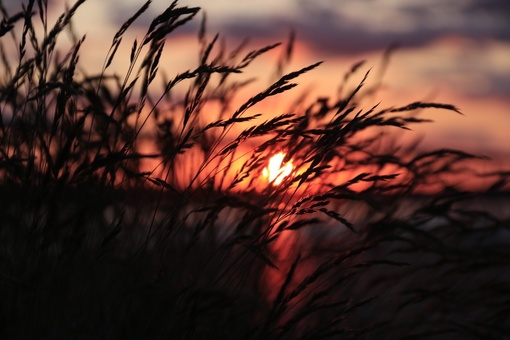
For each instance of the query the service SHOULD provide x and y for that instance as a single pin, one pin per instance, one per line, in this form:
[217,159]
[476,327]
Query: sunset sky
[455,52]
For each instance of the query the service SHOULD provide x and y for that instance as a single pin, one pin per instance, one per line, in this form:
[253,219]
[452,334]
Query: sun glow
[274,172]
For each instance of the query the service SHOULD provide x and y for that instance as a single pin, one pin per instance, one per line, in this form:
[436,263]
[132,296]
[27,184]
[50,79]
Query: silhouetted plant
[366,238]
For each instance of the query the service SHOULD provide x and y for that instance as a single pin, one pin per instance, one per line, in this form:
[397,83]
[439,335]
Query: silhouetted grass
[367,239]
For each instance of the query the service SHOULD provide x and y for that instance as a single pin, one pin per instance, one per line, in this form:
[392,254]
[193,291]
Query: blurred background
[455,52]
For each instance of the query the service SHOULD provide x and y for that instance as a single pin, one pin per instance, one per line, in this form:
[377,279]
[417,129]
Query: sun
[275,172]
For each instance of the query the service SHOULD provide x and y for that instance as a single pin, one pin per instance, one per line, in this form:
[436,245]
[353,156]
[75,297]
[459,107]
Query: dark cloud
[331,27]
[332,30]
[494,8]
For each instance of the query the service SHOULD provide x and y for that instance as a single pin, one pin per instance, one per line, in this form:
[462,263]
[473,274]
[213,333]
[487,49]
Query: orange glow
[274,172]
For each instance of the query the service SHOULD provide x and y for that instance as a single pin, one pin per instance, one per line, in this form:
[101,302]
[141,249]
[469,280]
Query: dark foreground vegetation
[367,239]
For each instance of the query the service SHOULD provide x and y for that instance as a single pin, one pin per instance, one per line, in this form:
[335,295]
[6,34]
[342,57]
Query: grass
[369,238]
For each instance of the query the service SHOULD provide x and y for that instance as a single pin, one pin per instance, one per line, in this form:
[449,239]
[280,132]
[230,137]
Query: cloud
[354,26]
[348,26]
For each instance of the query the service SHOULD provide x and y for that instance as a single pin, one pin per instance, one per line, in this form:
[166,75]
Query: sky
[455,51]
